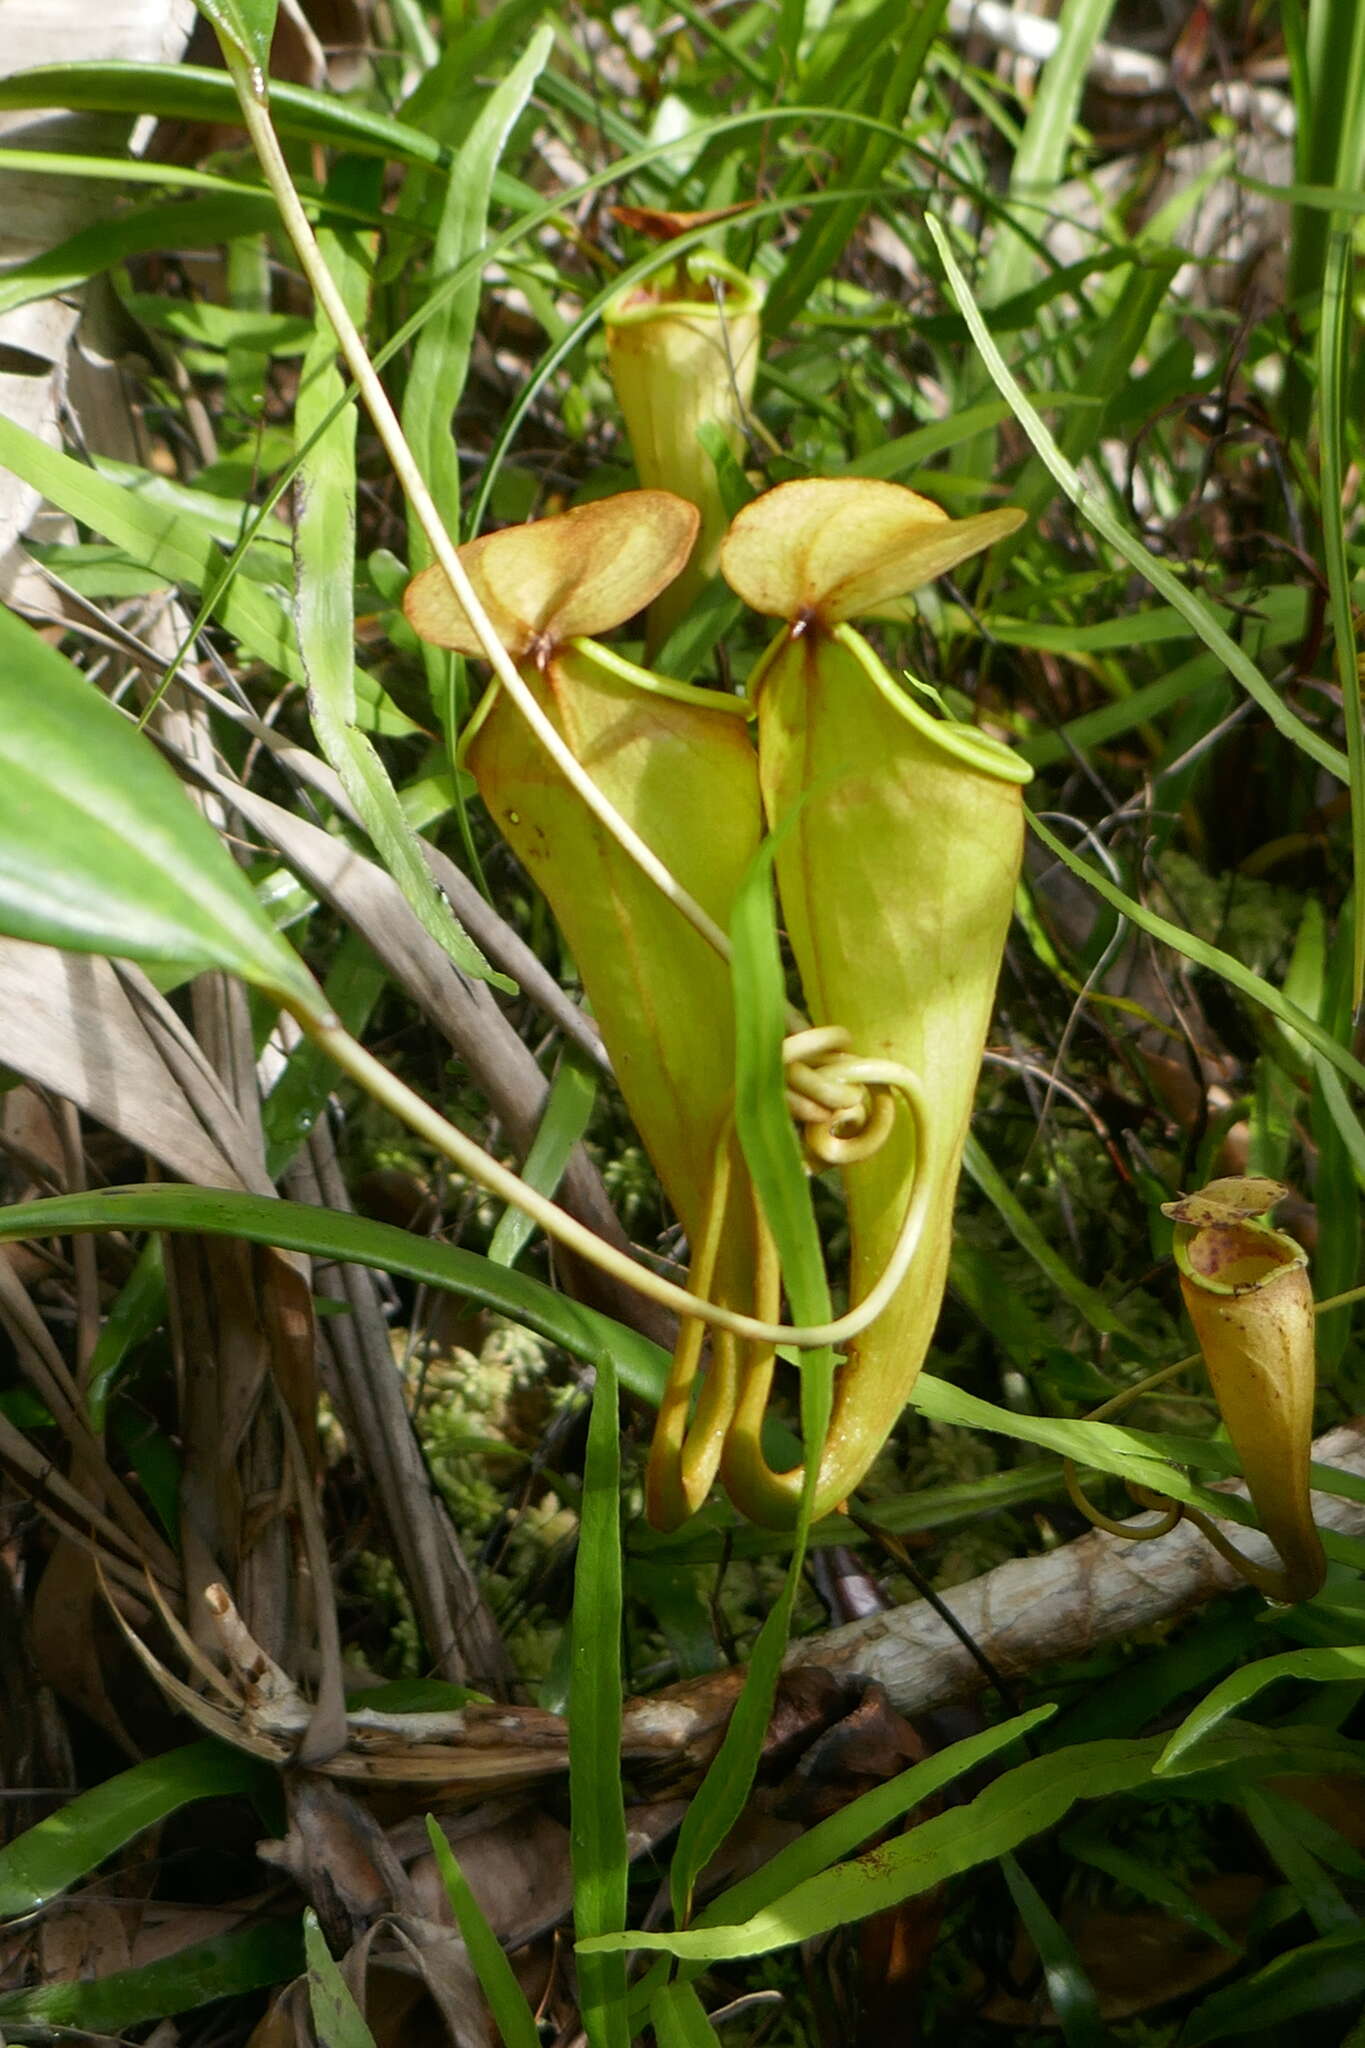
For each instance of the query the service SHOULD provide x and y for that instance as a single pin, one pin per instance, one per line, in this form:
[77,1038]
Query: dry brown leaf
[83,1028]
[1140,1959]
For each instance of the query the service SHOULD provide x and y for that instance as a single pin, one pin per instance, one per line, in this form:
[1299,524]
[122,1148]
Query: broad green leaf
[337,2019]
[248,26]
[845,1831]
[224,1967]
[101,851]
[60,1850]
[513,2017]
[597,1814]
[1307,1667]
[1020,1804]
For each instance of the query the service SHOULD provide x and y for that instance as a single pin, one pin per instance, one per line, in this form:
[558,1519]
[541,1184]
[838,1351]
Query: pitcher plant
[1247,1293]
[896,879]
[682,351]
[678,764]
[896,876]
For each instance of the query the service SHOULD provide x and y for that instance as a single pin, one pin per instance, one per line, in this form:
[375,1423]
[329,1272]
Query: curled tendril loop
[844,1105]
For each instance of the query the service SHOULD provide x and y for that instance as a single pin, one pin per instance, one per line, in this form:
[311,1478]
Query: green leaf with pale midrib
[101,851]
[1016,1806]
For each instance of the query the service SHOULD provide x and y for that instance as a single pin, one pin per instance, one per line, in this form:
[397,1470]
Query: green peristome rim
[744,294]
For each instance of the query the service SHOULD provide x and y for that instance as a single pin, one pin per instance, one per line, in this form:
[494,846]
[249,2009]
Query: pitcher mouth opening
[1238,1257]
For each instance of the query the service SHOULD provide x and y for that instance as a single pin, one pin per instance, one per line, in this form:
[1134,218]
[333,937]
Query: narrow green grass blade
[1038,165]
[1025,1232]
[1093,508]
[224,1967]
[194,92]
[1071,1992]
[337,2019]
[1326,60]
[597,1814]
[181,224]
[506,2000]
[440,361]
[1088,1845]
[1148,1457]
[121,170]
[764,1124]
[699,19]
[162,537]
[1320,1898]
[1340,1178]
[774,1160]
[60,1850]
[822,241]
[299,1097]
[134,1314]
[324,604]
[1334,332]
[568,1108]
[101,851]
[679,2020]
[1016,1806]
[189,224]
[340,1235]
[1041,157]
[1112,348]
[1220,963]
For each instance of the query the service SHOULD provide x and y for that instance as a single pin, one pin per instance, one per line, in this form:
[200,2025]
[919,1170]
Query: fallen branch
[1037,1610]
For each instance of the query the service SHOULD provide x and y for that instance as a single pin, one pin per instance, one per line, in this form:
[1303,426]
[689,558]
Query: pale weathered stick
[1037,1610]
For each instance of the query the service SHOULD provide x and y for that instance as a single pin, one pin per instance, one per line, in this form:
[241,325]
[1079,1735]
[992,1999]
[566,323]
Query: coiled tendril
[845,1107]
